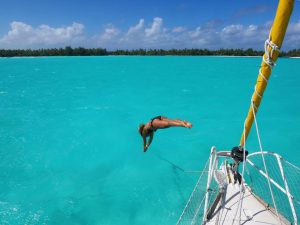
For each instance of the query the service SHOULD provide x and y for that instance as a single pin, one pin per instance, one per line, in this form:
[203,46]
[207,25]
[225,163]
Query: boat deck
[254,211]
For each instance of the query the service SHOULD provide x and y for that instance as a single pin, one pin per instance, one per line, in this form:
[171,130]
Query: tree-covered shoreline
[80,51]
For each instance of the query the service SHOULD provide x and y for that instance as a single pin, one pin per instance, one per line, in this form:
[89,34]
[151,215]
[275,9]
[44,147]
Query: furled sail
[272,46]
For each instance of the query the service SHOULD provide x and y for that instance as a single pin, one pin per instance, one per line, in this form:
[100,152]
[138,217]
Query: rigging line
[191,196]
[242,192]
[296,167]
[196,214]
[240,199]
[264,162]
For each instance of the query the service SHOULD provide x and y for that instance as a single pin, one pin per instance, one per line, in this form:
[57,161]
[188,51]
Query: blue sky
[136,24]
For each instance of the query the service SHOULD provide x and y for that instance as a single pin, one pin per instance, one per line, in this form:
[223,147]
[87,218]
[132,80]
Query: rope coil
[270,47]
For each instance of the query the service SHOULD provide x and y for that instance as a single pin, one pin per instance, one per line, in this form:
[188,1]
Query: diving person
[159,122]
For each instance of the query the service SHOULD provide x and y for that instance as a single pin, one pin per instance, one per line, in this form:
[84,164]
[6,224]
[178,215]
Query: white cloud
[109,33]
[195,33]
[140,36]
[204,37]
[136,29]
[107,39]
[135,34]
[293,36]
[156,28]
[241,36]
[23,35]
[178,29]
[153,35]
[232,29]
[294,27]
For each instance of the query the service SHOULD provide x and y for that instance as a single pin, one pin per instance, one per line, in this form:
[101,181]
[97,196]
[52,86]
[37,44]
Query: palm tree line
[80,51]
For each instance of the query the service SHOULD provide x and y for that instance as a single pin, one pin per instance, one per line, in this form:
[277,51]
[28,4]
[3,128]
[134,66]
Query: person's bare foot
[187,124]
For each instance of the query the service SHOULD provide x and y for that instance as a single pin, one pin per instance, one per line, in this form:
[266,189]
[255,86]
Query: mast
[272,46]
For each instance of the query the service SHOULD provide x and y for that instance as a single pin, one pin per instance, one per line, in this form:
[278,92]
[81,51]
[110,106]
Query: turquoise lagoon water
[70,152]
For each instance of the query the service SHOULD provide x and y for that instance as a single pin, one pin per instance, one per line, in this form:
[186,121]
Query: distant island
[80,51]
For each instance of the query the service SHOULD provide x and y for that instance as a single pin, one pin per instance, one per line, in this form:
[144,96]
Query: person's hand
[145,148]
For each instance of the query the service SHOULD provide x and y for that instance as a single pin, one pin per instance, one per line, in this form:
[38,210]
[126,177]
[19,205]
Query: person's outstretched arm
[145,143]
[149,141]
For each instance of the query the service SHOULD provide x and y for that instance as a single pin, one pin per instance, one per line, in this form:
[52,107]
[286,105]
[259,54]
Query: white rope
[255,107]
[263,76]
[269,54]
[268,59]
[264,162]
[256,92]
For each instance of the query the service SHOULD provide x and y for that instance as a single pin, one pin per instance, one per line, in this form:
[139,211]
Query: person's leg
[160,124]
[165,123]
[167,119]
[183,123]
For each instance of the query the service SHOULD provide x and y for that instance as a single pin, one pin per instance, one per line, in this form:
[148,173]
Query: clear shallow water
[70,152]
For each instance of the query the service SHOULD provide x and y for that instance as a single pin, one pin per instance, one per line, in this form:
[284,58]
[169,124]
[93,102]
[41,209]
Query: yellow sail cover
[272,46]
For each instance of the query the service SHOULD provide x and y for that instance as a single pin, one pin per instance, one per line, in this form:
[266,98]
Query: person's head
[141,128]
